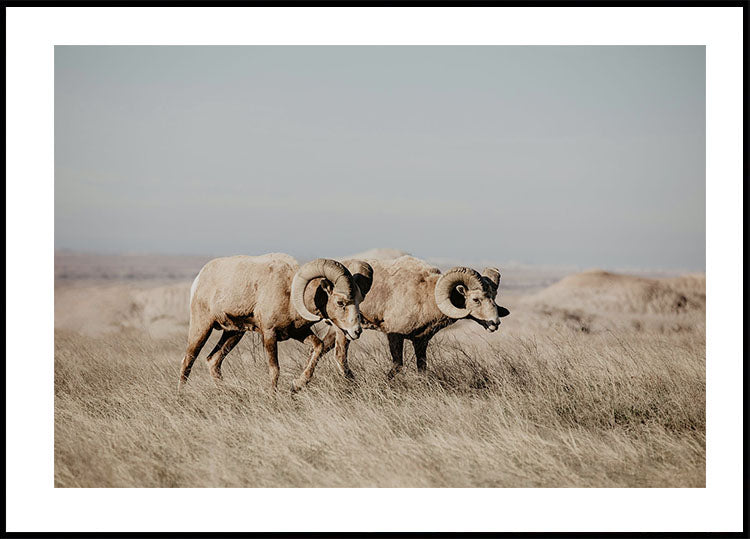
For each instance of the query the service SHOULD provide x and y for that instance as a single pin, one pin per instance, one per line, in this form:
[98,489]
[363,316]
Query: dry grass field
[594,380]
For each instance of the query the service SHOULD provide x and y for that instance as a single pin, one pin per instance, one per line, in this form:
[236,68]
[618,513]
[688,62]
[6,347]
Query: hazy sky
[590,156]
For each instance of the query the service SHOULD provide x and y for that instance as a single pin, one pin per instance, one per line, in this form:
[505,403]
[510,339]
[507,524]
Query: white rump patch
[195,285]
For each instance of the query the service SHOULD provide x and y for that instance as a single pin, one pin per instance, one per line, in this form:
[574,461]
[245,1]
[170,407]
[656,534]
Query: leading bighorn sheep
[273,295]
[410,299]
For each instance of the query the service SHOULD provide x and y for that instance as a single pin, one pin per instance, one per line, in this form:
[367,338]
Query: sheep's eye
[340,303]
[476,301]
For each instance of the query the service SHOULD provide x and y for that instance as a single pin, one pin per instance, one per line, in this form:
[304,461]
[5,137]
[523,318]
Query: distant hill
[613,292]
[71,266]
[379,254]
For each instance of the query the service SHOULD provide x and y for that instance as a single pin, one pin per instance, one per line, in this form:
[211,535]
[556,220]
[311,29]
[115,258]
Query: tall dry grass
[554,408]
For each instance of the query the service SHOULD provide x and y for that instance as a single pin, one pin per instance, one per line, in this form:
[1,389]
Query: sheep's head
[334,297]
[464,293]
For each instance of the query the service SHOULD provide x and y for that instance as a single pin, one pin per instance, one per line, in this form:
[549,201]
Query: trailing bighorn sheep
[410,299]
[273,295]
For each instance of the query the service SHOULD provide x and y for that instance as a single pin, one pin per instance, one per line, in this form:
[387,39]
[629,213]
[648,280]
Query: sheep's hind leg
[197,337]
[396,344]
[272,349]
[227,342]
[307,374]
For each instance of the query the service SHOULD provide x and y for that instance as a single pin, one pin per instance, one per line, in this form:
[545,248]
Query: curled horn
[448,282]
[493,275]
[362,275]
[321,267]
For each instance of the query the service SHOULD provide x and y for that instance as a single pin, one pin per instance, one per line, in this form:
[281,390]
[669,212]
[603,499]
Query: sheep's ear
[461,289]
[326,285]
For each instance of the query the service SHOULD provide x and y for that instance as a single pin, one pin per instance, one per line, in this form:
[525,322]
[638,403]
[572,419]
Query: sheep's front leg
[342,354]
[307,374]
[396,344]
[271,346]
[420,350]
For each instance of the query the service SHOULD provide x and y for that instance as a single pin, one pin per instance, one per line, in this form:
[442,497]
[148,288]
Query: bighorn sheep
[273,295]
[410,299]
